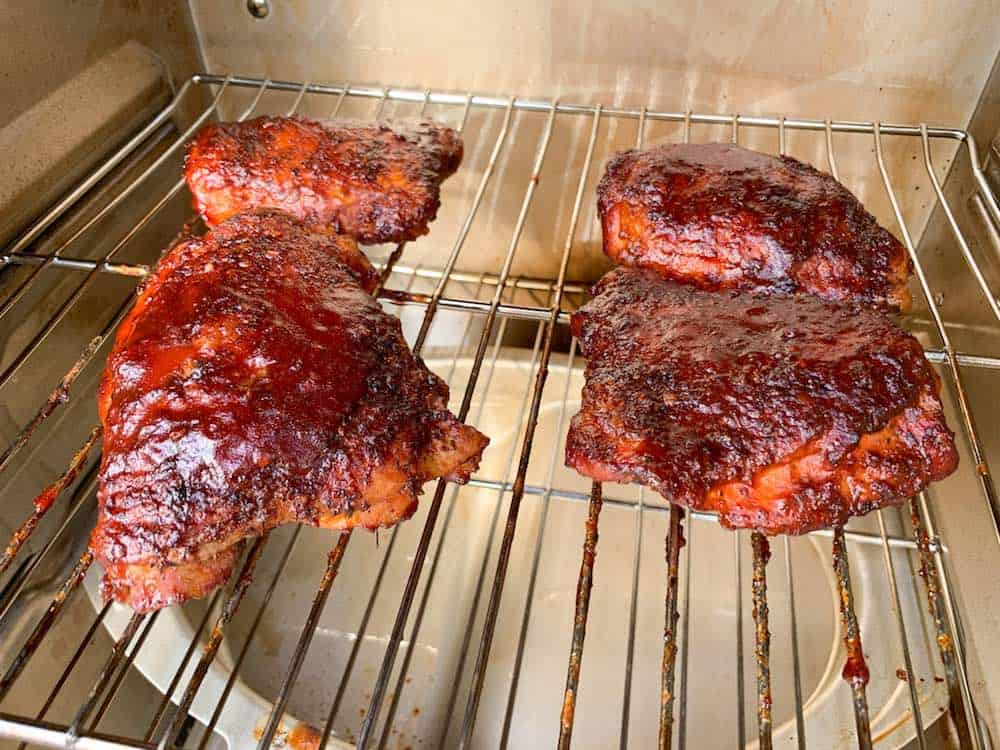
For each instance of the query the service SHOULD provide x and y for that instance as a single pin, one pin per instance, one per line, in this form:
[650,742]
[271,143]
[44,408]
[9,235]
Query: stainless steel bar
[979,456]
[741,728]
[944,613]
[685,642]
[68,670]
[489,279]
[305,639]
[233,601]
[963,245]
[161,710]
[45,623]
[122,672]
[517,493]
[675,539]
[463,232]
[530,105]
[61,392]
[47,497]
[474,607]
[800,720]
[682,722]
[114,659]
[54,735]
[855,671]
[76,264]
[985,191]
[583,588]
[83,495]
[409,590]
[98,174]
[298,99]
[536,559]
[18,293]
[238,664]
[859,537]
[762,650]
[911,678]
[633,614]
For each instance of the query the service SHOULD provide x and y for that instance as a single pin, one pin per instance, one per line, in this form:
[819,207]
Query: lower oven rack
[490,303]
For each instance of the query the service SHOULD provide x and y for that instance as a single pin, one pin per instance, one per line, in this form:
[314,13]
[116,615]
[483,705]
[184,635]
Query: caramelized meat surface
[723,217]
[783,413]
[255,383]
[375,182]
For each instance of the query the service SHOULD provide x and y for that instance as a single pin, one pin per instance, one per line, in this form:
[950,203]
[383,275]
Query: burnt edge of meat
[687,391]
[782,223]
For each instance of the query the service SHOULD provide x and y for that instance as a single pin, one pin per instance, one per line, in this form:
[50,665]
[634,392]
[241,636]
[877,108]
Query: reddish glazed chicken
[255,383]
[723,217]
[783,413]
[375,182]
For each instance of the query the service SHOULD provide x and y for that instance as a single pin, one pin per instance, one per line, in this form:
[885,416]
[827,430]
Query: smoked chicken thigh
[256,382]
[375,182]
[719,216]
[783,413]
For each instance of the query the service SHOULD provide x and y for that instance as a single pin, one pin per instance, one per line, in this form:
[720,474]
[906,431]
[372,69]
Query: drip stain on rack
[46,498]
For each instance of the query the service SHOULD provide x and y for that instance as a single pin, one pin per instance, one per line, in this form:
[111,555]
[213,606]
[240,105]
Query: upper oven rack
[548,310]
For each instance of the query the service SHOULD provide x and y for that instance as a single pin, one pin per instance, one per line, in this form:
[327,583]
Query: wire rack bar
[943,612]
[911,678]
[535,560]
[762,650]
[533,105]
[667,664]
[372,716]
[114,659]
[45,623]
[583,587]
[409,590]
[855,671]
[800,729]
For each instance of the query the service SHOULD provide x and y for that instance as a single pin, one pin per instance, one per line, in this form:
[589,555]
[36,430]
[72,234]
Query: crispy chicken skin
[375,182]
[256,382]
[783,413]
[721,217]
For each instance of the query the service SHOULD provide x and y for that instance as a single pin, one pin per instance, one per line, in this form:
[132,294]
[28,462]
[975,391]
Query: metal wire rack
[491,305]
